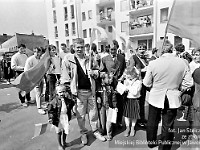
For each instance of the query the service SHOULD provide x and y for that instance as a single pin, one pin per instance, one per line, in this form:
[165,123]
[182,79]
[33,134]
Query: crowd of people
[109,88]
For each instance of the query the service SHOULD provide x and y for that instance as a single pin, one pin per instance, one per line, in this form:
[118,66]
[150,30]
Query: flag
[27,80]
[184,20]
[40,129]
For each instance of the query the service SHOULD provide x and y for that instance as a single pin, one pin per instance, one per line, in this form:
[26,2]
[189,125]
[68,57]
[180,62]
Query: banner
[27,80]
[184,20]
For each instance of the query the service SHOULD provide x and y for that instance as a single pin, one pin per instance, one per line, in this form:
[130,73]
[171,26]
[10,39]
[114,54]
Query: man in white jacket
[167,76]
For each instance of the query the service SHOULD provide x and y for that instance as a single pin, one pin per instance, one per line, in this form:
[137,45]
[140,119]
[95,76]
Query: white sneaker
[41,111]
[99,136]
[24,105]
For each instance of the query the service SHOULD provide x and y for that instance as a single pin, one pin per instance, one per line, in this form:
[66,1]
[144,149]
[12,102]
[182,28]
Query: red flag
[29,79]
[184,20]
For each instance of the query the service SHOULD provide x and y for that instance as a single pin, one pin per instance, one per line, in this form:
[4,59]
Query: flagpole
[167,23]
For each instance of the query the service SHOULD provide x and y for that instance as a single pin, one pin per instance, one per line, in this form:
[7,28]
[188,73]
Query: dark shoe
[31,102]
[84,139]
[127,132]
[142,125]
[67,144]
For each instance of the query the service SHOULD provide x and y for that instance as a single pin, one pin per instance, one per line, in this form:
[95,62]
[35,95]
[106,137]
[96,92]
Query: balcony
[105,18]
[104,2]
[140,29]
[141,7]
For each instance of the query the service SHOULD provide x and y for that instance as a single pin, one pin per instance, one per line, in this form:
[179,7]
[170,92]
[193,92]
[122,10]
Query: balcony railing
[106,17]
[135,4]
[138,29]
[104,2]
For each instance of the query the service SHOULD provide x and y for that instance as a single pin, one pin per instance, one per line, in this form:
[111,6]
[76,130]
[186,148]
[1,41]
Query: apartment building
[142,21]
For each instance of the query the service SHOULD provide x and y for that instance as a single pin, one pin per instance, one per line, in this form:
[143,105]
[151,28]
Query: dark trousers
[46,89]
[51,81]
[168,117]
[27,96]
[22,98]
[142,103]
[120,106]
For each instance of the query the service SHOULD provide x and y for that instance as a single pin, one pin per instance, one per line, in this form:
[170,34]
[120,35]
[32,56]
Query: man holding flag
[76,69]
[18,61]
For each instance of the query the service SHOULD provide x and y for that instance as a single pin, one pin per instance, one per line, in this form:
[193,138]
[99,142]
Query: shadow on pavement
[4,85]
[10,106]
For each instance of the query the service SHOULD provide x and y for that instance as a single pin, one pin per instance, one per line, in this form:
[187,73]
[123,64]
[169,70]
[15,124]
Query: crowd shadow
[3,85]
[77,144]
[10,107]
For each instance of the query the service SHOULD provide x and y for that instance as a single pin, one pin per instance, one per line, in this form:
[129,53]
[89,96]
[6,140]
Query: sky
[23,16]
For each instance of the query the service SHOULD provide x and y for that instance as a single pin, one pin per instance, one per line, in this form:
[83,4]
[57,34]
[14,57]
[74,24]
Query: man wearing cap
[77,70]
[167,76]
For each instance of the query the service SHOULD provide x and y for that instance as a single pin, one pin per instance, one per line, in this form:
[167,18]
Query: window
[57,44]
[148,43]
[67,43]
[132,4]
[191,44]
[90,14]
[64,1]
[161,38]
[164,15]
[124,26]
[53,4]
[73,28]
[83,16]
[54,17]
[110,29]
[66,30]
[90,32]
[177,40]
[72,11]
[85,33]
[124,5]
[65,14]
[56,32]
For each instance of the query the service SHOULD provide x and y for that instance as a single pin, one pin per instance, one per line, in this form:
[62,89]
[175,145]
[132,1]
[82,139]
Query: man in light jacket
[167,76]
[76,69]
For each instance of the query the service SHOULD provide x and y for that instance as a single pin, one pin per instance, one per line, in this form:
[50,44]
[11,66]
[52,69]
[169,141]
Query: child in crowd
[59,112]
[132,87]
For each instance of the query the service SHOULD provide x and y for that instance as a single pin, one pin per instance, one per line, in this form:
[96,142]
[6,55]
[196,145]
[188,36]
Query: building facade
[140,21]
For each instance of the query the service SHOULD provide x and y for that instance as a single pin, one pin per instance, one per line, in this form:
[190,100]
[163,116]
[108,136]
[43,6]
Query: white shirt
[31,62]
[193,66]
[18,61]
[133,87]
[55,67]
[82,64]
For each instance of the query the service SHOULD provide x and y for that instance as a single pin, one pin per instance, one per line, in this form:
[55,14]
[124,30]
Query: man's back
[166,75]
[168,71]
